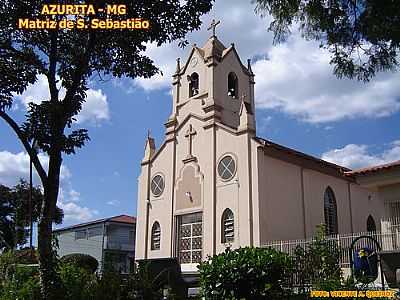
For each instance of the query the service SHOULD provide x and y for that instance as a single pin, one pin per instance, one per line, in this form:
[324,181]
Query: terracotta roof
[374,169]
[123,219]
[119,219]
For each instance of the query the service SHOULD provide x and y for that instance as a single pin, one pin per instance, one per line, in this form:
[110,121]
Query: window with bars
[155,236]
[228,227]
[190,238]
[330,212]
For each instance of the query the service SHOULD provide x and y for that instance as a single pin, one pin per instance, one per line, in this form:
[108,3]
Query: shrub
[249,273]
[84,261]
[317,265]
[76,282]
[21,283]
[7,259]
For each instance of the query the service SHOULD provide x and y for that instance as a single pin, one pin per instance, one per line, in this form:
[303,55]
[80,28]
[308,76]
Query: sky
[299,104]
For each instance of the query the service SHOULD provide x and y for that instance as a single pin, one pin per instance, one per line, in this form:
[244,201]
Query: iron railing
[388,240]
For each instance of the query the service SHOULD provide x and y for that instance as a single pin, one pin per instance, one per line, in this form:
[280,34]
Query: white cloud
[37,92]
[94,109]
[76,213]
[315,94]
[14,166]
[114,202]
[357,156]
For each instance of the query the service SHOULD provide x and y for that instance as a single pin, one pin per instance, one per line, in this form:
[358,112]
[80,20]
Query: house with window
[111,241]
[213,183]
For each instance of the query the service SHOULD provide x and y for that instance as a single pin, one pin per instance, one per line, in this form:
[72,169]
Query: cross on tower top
[213,25]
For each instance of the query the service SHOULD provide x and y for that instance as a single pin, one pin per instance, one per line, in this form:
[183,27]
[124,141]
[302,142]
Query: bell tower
[214,84]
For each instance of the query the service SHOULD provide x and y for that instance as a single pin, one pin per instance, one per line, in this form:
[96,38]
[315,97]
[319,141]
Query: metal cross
[213,25]
[189,134]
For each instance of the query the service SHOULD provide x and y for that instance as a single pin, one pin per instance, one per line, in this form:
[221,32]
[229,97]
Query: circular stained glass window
[157,185]
[227,167]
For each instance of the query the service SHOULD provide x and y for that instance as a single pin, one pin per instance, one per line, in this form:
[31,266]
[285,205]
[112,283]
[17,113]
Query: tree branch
[51,77]
[32,153]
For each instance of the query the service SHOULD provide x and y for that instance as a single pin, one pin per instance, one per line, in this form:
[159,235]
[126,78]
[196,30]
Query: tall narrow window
[232,85]
[228,226]
[155,236]
[193,84]
[371,226]
[330,212]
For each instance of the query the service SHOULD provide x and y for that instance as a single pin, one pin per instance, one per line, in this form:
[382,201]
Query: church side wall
[315,184]
[279,200]
[281,205]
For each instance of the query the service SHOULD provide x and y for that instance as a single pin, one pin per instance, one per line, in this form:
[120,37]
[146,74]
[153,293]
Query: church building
[213,183]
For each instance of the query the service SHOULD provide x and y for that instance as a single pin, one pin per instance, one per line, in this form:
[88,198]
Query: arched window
[155,236]
[228,226]
[330,212]
[193,84]
[371,226]
[232,85]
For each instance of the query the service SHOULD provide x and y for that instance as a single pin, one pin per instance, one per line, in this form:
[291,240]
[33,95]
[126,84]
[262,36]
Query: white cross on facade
[189,135]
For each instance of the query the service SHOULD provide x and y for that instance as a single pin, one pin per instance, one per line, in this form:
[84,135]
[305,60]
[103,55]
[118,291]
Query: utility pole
[34,148]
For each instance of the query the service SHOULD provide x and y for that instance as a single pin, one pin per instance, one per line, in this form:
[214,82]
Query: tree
[69,59]
[363,36]
[14,213]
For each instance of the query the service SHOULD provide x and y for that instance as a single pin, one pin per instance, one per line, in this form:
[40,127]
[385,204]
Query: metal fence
[388,240]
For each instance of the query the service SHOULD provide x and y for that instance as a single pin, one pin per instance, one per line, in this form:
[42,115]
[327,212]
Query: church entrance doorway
[190,238]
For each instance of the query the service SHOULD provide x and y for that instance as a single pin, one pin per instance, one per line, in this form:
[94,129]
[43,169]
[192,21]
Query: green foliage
[7,259]
[245,273]
[14,213]
[76,282]
[21,282]
[362,36]
[84,261]
[318,264]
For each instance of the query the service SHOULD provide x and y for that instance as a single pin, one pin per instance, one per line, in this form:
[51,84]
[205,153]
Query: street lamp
[35,149]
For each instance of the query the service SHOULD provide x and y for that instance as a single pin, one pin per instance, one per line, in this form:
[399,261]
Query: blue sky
[299,102]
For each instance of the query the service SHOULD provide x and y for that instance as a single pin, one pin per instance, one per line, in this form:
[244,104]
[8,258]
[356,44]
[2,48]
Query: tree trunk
[50,283]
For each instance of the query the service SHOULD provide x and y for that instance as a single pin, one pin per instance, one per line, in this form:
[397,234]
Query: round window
[157,185]
[226,167]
